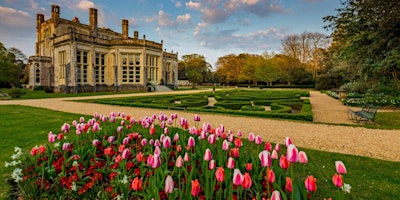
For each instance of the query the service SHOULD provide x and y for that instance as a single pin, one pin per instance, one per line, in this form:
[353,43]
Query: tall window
[100,67]
[82,65]
[130,68]
[37,73]
[61,63]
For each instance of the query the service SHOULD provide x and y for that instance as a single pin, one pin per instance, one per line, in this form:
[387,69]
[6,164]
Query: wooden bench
[366,114]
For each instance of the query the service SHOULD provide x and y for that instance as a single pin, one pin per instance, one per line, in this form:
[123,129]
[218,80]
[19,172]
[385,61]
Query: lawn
[369,178]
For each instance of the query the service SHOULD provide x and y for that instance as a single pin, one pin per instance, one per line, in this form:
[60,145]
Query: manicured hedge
[253,108]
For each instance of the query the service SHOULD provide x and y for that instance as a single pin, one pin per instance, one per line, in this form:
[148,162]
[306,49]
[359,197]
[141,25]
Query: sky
[212,28]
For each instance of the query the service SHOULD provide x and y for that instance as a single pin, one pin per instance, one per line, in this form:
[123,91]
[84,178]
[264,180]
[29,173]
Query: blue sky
[212,28]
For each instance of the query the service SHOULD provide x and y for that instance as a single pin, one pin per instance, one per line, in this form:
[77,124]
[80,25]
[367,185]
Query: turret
[39,20]
[125,28]
[55,13]
[136,35]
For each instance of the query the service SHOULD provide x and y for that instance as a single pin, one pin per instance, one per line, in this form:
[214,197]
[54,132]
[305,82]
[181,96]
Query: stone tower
[93,21]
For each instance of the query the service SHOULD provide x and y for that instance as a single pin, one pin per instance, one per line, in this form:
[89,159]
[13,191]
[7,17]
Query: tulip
[166,130]
[179,148]
[154,160]
[258,140]
[283,163]
[220,174]
[107,151]
[34,151]
[169,121]
[251,137]
[274,155]
[203,135]
[95,127]
[112,119]
[237,177]
[111,139]
[235,152]
[191,142]
[162,125]
[157,150]
[240,133]
[270,175]
[51,137]
[207,155]
[196,118]
[65,128]
[96,142]
[122,123]
[230,137]
[288,141]
[337,180]
[268,146]
[66,146]
[186,157]
[152,130]
[151,142]
[157,143]
[96,115]
[292,154]
[311,184]
[276,195]
[60,136]
[179,162]
[126,153]
[117,159]
[143,142]
[137,184]
[211,165]
[238,142]
[249,166]
[212,138]
[176,137]
[247,182]
[225,145]
[288,184]
[340,168]
[169,185]
[195,188]
[121,148]
[231,163]
[140,157]
[125,140]
[167,142]
[265,158]
[303,157]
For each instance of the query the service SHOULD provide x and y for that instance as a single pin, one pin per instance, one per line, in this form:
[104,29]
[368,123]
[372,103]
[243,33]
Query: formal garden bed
[283,104]
[116,156]
[359,100]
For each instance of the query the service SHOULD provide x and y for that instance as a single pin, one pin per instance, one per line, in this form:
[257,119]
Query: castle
[72,57]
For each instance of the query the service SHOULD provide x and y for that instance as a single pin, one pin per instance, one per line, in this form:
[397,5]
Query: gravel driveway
[328,135]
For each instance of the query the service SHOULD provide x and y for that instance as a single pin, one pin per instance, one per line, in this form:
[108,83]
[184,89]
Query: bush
[253,108]
[16,92]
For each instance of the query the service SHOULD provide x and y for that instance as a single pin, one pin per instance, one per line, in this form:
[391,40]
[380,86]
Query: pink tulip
[311,184]
[212,138]
[337,180]
[203,135]
[340,168]
[179,148]
[169,185]
[274,155]
[112,119]
[292,154]
[265,158]
[276,195]
[222,128]
[283,163]
[193,130]
[95,127]
[96,115]
[220,174]
[167,142]
[211,165]
[230,137]
[176,137]
[166,130]
[51,137]
[277,147]
[251,137]
[186,157]
[303,157]
[179,162]
[169,121]
[143,142]
[207,155]
[218,132]
[154,161]
[125,140]
[258,140]
[237,177]
[117,159]
[240,133]
[225,145]
[231,163]
[74,123]
[157,143]
[151,142]
[162,125]
[65,128]
[132,121]
[196,118]
[157,151]
[191,142]
[122,123]
[96,142]
[126,153]
[66,146]
[111,139]
[288,141]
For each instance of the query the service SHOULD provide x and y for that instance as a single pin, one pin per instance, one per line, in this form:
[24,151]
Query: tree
[367,36]
[229,67]
[194,77]
[197,63]
[9,70]
[267,71]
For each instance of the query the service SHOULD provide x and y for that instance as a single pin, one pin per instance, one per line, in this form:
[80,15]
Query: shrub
[253,108]
[16,92]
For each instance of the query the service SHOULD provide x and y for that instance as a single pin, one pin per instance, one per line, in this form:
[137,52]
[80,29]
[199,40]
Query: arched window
[37,73]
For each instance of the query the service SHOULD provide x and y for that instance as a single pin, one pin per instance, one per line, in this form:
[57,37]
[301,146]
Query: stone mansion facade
[72,57]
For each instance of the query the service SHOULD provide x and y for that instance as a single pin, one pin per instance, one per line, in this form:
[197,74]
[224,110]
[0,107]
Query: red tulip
[195,188]
[276,195]
[220,174]
[292,154]
[268,146]
[42,149]
[238,142]
[137,184]
[288,185]
[247,182]
[311,184]
[140,157]
[35,151]
[283,163]
[337,180]
[237,177]
[340,168]
[169,185]
[270,175]
[235,152]
[303,157]
[152,130]
[249,166]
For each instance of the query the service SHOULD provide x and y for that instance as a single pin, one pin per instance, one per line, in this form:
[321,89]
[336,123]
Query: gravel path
[375,143]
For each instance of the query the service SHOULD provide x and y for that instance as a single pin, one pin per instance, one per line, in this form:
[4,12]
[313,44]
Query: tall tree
[192,66]
[9,70]
[367,35]
[229,67]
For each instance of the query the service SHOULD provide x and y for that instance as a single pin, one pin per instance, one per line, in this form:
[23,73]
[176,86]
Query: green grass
[40,94]
[369,178]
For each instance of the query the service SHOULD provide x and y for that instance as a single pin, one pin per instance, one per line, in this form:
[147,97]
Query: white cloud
[193,5]
[85,4]
[164,19]
[183,18]
[11,17]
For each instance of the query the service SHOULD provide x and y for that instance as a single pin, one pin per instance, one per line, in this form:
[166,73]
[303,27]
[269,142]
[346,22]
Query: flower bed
[160,157]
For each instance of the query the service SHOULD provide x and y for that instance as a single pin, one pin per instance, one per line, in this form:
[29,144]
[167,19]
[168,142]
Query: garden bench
[366,114]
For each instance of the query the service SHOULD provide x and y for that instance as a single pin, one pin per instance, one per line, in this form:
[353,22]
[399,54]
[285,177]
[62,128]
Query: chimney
[55,12]
[93,21]
[136,35]
[39,20]
[125,28]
